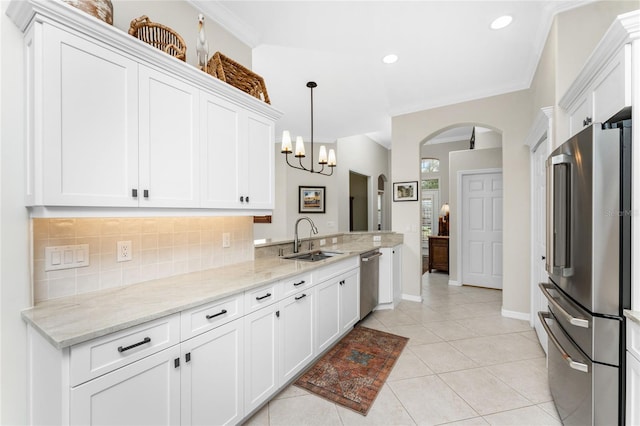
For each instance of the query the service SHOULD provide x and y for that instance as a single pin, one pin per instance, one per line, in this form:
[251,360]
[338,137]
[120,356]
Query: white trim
[455,283]
[524,316]
[541,129]
[462,173]
[411,298]
[625,29]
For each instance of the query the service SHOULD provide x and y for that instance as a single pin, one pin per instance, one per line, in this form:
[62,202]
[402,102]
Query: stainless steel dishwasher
[369,275]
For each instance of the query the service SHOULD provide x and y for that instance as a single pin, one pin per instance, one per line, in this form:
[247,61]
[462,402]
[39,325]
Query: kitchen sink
[312,256]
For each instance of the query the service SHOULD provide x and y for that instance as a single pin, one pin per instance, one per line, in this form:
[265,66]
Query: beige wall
[359,154]
[460,161]
[441,152]
[182,17]
[573,36]
[508,114]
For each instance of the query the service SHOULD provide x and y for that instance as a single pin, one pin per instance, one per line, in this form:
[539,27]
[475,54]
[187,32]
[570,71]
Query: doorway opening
[459,148]
[358,202]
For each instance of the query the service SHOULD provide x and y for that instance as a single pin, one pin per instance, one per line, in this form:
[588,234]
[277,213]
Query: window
[430,165]
[431,184]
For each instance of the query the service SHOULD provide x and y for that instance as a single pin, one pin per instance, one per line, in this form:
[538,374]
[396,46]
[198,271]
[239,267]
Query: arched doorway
[464,149]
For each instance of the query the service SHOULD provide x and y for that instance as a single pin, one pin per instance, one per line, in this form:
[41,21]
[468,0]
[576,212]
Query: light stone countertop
[71,320]
[632,315]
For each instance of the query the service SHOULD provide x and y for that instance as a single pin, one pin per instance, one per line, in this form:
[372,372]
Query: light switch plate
[66,257]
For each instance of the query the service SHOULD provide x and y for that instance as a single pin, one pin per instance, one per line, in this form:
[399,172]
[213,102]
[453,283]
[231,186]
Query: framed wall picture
[405,191]
[311,199]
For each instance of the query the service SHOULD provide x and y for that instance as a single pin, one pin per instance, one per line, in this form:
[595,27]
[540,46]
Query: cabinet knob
[242,198]
[145,193]
[134,193]
[586,121]
[247,198]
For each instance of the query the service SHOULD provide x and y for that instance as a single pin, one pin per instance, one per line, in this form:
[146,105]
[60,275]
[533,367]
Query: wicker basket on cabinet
[159,36]
[231,72]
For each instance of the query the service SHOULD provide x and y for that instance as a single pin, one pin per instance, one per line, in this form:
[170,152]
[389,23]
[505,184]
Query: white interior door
[481,232]
[538,187]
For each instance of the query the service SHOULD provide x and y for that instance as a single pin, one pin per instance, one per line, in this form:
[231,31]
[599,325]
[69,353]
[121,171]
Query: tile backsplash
[161,246]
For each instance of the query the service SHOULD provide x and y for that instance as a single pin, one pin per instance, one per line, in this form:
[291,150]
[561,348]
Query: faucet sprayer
[296,243]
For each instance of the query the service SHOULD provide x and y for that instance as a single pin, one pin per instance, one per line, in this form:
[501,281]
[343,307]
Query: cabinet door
[385,285]
[146,392]
[397,273]
[221,148]
[349,300]
[89,134]
[612,88]
[169,141]
[261,356]
[327,313]
[296,333]
[633,390]
[211,378]
[582,115]
[260,180]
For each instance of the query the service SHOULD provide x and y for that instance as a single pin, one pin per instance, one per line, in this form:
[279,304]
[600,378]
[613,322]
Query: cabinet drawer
[99,356]
[297,283]
[335,269]
[261,296]
[633,338]
[209,316]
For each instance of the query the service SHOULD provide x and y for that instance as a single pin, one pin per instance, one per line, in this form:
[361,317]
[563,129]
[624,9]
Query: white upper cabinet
[85,134]
[113,122]
[237,155]
[605,84]
[169,141]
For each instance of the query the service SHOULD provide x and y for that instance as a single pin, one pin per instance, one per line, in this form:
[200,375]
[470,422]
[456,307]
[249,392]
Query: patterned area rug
[353,371]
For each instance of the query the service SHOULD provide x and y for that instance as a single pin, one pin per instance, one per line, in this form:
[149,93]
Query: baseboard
[383,307]
[412,298]
[454,282]
[525,316]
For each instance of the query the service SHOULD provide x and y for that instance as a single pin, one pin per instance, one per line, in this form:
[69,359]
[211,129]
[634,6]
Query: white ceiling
[447,52]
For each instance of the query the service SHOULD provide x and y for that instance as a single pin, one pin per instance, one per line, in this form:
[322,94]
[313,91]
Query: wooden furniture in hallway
[439,253]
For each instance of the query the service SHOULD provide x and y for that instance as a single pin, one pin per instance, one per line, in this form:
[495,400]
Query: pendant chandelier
[323,160]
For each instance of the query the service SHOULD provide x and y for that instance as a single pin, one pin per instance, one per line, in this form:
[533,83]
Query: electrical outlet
[125,252]
[323,242]
[226,239]
[377,238]
[334,240]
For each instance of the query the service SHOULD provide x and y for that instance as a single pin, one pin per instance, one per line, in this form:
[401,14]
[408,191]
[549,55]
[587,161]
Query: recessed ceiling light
[501,22]
[390,59]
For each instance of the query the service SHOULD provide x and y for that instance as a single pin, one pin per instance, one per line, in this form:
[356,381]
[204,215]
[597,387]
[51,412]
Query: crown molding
[26,13]
[625,29]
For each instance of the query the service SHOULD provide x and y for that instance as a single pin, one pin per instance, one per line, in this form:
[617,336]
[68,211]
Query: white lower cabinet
[212,364]
[297,324]
[146,392]
[390,285]
[262,335]
[327,314]
[211,377]
[337,308]
[633,373]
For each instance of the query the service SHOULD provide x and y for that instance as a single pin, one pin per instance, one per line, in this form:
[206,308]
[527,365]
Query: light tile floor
[464,364]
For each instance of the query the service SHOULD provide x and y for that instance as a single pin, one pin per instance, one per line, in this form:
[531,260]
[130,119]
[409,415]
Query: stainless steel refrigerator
[588,262]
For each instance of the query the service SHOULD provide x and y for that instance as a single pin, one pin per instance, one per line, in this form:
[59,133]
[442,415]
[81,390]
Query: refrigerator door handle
[578,322]
[579,366]
[560,204]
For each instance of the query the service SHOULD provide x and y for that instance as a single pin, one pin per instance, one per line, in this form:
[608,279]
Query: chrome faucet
[296,242]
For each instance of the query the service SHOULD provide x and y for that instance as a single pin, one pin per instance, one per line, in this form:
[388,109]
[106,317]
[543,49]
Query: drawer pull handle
[297,284]
[135,345]
[222,312]
[263,297]
[300,297]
